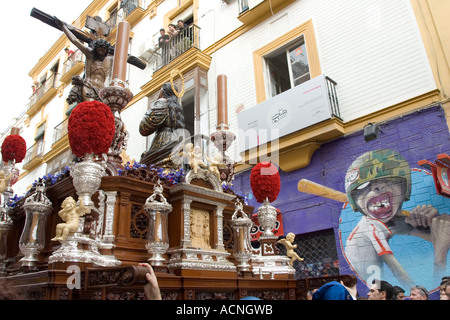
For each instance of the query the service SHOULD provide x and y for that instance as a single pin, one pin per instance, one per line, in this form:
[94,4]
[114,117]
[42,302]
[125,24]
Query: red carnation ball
[91,128]
[14,147]
[265,181]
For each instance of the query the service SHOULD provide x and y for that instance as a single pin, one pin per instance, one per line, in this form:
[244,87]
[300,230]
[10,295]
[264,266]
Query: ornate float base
[72,251]
[272,267]
[199,259]
[199,262]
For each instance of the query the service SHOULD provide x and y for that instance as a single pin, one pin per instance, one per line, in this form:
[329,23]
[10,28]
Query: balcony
[289,127]
[60,145]
[183,54]
[133,12]
[162,56]
[33,157]
[73,66]
[44,93]
[254,11]
[60,131]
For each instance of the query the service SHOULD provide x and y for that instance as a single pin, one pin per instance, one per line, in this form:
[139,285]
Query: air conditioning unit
[147,50]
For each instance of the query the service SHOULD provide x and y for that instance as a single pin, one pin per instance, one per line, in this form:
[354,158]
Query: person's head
[171,26]
[418,293]
[380,290]
[100,49]
[399,293]
[349,281]
[445,290]
[377,183]
[162,31]
[180,23]
[66,50]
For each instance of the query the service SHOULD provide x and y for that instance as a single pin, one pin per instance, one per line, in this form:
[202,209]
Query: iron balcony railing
[128,8]
[72,60]
[332,96]
[243,6]
[189,37]
[51,82]
[60,130]
[35,151]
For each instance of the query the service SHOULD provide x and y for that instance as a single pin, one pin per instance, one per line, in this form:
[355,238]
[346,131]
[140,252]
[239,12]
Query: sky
[24,40]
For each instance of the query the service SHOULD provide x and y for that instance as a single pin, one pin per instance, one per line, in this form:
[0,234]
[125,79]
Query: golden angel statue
[287,242]
[70,214]
[4,178]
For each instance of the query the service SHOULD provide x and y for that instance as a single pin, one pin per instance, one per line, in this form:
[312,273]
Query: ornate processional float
[81,234]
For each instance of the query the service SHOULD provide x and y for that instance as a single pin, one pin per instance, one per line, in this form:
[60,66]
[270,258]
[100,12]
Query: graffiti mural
[394,227]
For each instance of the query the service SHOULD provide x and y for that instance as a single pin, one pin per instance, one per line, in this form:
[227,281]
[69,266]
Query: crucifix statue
[98,52]
[97,67]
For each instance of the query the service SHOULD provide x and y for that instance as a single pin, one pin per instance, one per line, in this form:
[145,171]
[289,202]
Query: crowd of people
[344,289]
[379,290]
[169,39]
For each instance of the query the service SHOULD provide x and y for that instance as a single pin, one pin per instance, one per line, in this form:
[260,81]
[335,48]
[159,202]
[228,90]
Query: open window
[287,67]
[286,62]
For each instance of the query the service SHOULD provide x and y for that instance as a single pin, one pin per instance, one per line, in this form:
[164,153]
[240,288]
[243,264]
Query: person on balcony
[173,43]
[172,31]
[70,56]
[180,26]
[163,41]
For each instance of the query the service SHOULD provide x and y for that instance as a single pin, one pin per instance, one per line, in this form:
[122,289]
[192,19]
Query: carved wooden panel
[139,222]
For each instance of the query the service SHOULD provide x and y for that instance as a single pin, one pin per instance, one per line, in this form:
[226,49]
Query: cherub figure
[215,164]
[185,154]
[70,214]
[197,159]
[287,242]
[4,180]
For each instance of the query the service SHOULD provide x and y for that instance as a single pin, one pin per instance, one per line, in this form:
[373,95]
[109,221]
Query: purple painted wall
[420,135]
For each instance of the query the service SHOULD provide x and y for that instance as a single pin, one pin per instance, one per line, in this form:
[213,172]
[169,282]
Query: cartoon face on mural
[378,184]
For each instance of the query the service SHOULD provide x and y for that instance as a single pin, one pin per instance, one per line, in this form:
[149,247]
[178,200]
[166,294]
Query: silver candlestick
[158,238]
[37,207]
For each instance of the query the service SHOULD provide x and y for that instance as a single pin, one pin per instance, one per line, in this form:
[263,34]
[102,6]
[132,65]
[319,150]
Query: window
[112,19]
[39,140]
[40,133]
[287,67]
[285,62]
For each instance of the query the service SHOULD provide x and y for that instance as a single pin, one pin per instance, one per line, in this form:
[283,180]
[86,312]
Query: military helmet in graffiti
[384,163]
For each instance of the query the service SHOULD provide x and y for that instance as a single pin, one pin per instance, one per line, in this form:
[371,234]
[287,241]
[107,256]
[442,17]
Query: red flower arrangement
[265,182]
[91,128]
[14,147]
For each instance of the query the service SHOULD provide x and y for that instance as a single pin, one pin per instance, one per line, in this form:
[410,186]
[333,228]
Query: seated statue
[4,178]
[164,118]
[70,214]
